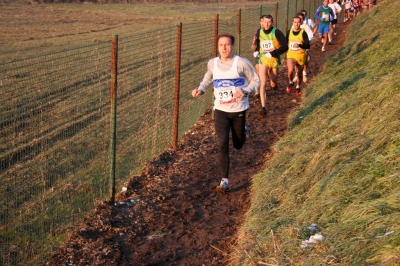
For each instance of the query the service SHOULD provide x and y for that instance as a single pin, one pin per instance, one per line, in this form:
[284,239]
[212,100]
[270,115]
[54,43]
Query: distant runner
[324,13]
[296,56]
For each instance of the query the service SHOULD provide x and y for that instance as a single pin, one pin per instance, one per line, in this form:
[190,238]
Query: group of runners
[235,78]
[269,44]
[353,8]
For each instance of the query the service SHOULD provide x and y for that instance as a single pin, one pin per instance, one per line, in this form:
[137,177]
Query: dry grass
[35,29]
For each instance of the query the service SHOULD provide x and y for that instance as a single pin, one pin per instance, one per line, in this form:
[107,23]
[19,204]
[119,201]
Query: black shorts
[334,21]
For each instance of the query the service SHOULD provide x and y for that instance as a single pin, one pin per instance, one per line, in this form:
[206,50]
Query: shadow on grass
[349,51]
[324,98]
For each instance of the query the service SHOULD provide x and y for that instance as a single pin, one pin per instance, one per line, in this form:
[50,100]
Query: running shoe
[298,92]
[290,87]
[262,112]
[323,49]
[222,187]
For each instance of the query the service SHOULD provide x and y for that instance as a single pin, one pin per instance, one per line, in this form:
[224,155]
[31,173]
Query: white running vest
[225,85]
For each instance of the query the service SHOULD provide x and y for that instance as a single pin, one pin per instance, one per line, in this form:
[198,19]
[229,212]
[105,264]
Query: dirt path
[171,214]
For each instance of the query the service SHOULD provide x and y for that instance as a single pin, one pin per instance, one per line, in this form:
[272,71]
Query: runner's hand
[197,92]
[240,93]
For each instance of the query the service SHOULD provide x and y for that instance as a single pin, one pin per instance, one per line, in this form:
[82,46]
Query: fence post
[177,83]
[239,22]
[315,7]
[276,14]
[287,15]
[113,113]
[216,35]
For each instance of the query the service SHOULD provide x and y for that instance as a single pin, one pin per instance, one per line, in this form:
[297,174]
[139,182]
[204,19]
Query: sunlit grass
[339,165]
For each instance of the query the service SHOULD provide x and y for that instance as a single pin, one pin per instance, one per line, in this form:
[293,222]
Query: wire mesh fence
[55,122]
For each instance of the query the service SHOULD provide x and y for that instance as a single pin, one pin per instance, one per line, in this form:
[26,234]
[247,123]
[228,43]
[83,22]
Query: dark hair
[267,16]
[303,11]
[228,36]
[300,15]
[297,17]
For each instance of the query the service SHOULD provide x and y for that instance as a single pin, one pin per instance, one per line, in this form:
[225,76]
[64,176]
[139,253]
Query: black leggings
[224,123]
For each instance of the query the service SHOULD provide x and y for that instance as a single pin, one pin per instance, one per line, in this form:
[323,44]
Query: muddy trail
[171,213]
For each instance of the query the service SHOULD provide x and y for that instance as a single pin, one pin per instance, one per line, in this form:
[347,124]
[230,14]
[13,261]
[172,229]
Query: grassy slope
[339,165]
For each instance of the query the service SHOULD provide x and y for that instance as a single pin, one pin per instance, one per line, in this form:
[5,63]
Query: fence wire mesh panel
[55,121]
[250,22]
[54,138]
[145,98]
[197,49]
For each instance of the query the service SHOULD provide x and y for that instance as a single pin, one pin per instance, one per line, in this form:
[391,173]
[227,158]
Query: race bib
[325,17]
[267,45]
[226,95]
[291,45]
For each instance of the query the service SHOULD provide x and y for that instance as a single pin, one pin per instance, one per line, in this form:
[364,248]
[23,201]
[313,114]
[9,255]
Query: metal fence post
[113,113]
[239,22]
[216,35]
[287,15]
[177,83]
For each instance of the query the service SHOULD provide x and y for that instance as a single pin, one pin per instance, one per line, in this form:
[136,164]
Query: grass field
[31,30]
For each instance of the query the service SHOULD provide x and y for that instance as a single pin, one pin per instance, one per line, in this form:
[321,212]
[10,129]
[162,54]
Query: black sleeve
[282,42]
[257,41]
[306,41]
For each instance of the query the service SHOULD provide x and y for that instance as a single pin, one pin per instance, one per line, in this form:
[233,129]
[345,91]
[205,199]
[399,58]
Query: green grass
[339,165]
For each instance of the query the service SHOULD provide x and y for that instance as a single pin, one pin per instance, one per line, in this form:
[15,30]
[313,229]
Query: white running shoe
[323,49]
[223,187]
